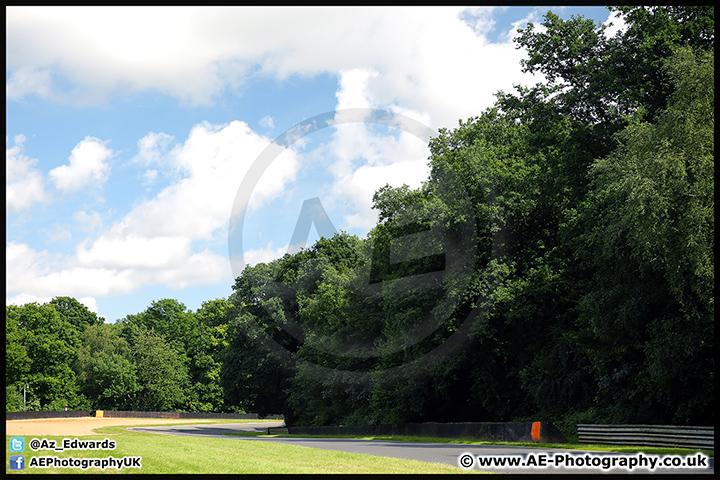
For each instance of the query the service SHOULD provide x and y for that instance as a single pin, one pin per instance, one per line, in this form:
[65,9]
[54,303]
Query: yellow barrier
[98,413]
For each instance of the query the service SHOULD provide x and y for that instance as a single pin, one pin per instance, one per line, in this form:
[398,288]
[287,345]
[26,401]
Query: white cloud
[23,183]
[28,80]
[267,122]
[110,267]
[278,174]
[90,303]
[23,298]
[479,19]
[202,268]
[79,282]
[426,63]
[358,188]
[426,59]
[152,148]
[353,90]
[88,222]
[88,164]
[149,177]
[22,263]
[43,275]
[264,254]
[133,252]
[214,160]
[166,240]
[363,160]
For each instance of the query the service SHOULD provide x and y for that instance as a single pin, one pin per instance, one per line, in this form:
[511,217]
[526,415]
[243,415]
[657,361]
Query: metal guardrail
[650,435]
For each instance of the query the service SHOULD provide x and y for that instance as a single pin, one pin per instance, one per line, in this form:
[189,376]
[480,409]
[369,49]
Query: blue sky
[129,132]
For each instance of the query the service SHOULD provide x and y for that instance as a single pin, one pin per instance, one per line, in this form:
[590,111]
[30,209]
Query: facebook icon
[17,462]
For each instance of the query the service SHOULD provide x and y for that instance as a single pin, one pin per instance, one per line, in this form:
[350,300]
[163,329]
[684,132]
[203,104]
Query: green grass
[168,454]
[569,446]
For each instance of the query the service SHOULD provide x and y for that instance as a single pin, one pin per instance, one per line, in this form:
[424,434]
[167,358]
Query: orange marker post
[535,432]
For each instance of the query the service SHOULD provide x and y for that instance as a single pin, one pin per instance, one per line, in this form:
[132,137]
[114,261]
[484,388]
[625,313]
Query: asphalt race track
[426,452]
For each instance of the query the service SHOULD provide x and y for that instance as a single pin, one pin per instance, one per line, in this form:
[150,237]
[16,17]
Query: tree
[105,368]
[161,373]
[43,348]
[75,312]
[253,375]
[17,361]
[167,317]
[601,78]
[205,354]
[590,290]
[653,301]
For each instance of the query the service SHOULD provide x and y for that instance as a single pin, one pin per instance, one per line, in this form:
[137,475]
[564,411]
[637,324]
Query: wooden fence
[132,414]
[30,415]
[184,415]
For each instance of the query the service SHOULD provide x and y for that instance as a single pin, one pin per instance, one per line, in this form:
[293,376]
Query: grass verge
[168,454]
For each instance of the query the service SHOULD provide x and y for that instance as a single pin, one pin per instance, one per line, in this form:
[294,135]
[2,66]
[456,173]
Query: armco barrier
[650,435]
[183,415]
[46,414]
[537,432]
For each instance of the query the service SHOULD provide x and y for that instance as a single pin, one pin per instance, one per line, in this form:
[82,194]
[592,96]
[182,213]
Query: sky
[153,152]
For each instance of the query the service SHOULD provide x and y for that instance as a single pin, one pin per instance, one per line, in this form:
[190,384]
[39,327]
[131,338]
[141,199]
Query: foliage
[75,312]
[654,306]
[590,287]
[66,355]
[40,349]
[105,368]
[560,256]
[161,371]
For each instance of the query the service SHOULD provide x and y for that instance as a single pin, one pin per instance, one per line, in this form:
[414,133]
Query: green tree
[17,361]
[167,317]
[590,290]
[603,78]
[253,375]
[161,373]
[105,369]
[205,353]
[43,348]
[653,303]
[75,313]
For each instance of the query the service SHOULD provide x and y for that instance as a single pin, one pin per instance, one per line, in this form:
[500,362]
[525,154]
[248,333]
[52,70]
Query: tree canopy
[557,264]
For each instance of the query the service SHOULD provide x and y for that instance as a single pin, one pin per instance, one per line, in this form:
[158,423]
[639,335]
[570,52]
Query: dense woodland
[582,293]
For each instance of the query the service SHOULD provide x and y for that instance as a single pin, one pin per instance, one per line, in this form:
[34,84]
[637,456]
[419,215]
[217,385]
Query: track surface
[426,452]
